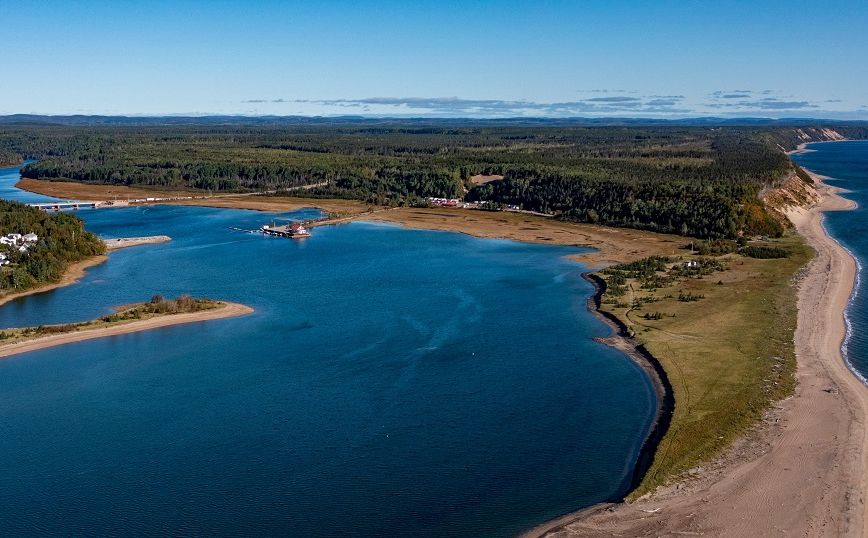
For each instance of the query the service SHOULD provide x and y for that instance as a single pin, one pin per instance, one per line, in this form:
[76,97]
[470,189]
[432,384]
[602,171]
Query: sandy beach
[804,472]
[228,310]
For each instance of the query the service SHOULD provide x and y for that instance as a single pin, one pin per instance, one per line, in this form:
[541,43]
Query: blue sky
[491,59]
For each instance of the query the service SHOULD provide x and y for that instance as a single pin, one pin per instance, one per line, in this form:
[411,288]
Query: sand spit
[124,242]
[228,310]
[805,475]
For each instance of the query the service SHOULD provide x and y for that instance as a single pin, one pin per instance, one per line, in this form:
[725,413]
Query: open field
[725,339]
[82,191]
[612,245]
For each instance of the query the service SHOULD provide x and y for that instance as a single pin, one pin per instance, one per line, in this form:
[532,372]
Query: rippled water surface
[391,381]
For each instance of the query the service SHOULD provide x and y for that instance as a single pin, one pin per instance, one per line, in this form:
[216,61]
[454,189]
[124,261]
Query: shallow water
[846,163]
[391,381]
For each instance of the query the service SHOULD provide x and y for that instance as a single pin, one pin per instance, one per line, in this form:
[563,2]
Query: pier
[294,230]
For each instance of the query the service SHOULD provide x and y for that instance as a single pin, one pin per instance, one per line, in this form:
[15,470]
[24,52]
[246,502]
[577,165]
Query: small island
[158,312]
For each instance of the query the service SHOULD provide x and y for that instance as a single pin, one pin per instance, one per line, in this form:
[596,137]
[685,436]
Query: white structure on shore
[18,241]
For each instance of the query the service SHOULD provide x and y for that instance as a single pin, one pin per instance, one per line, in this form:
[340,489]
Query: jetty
[124,242]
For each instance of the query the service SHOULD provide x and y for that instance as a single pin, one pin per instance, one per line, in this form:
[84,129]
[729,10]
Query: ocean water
[846,164]
[391,382]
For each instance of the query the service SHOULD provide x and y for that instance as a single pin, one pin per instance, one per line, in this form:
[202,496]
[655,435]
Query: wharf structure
[294,230]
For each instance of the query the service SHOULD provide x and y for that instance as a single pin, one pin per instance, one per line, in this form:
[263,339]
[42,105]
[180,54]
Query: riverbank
[804,471]
[72,275]
[70,190]
[225,310]
[75,271]
[611,245]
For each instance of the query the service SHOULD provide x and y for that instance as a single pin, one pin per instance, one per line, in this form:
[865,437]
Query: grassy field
[725,340]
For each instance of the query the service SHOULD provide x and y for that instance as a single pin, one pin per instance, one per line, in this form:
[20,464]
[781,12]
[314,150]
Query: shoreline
[227,310]
[757,493]
[810,473]
[620,340]
[75,271]
[70,276]
[611,245]
[623,342]
[803,147]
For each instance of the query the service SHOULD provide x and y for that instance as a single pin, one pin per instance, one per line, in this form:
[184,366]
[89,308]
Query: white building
[31,238]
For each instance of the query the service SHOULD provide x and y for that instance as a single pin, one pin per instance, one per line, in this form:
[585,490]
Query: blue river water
[390,382]
[846,164]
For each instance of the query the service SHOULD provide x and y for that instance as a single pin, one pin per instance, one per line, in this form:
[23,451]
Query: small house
[31,238]
[691,264]
[297,229]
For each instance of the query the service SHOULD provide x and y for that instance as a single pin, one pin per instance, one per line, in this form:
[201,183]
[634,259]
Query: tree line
[62,241]
[690,180]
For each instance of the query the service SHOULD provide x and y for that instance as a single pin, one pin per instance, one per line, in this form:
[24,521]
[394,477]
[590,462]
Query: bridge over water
[57,206]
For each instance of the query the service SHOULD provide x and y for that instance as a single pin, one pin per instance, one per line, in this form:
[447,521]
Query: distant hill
[24,119]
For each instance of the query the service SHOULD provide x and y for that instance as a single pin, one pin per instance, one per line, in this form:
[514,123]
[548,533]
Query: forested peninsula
[696,181]
[60,240]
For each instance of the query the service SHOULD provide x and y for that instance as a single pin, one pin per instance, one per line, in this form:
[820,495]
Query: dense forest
[8,157]
[62,240]
[701,181]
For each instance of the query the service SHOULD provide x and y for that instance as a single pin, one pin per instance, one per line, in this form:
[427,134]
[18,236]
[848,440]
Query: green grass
[728,355]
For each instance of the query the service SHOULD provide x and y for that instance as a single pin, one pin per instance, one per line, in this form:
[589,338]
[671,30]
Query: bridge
[58,206]
[99,204]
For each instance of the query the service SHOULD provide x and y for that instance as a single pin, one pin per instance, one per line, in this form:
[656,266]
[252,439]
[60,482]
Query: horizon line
[205,115]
